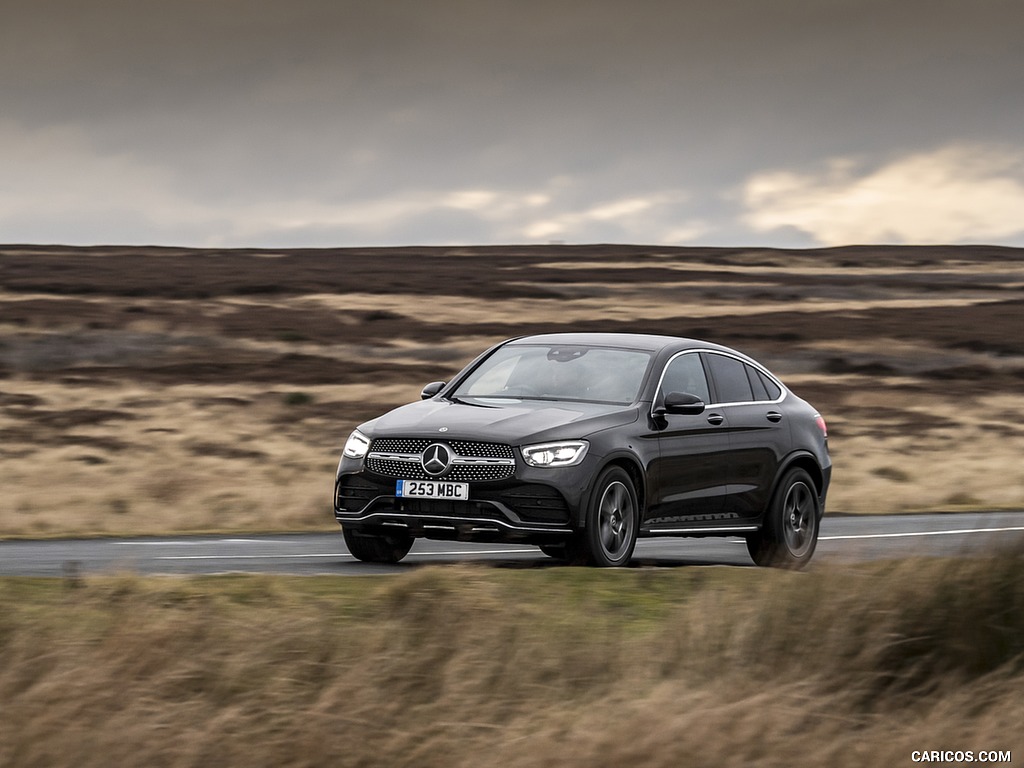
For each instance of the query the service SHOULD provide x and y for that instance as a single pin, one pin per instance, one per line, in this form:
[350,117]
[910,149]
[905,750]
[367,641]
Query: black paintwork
[702,473]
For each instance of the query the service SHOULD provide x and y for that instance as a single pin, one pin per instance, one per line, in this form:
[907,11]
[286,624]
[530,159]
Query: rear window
[773,389]
[764,389]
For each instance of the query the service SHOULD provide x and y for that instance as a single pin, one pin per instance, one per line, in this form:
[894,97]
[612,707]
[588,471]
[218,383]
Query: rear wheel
[612,521]
[377,547]
[790,531]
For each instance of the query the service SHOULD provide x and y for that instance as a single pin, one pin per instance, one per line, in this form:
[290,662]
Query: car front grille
[472,461]
[535,503]
[466,509]
[352,493]
[530,503]
[399,445]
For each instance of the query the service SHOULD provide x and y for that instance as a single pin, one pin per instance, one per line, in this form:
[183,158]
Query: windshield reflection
[574,373]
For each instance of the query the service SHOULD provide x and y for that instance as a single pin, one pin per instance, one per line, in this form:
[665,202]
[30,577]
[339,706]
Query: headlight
[356,446]
[565,454]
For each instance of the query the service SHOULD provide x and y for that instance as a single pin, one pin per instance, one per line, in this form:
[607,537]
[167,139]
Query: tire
[789,534]
[377,548]
[612,521]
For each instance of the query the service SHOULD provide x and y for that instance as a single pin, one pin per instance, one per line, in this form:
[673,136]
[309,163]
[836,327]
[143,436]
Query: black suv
[579,443]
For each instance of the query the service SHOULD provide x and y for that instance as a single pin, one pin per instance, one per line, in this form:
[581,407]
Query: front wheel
[377,548]
[612,520]
[790,531]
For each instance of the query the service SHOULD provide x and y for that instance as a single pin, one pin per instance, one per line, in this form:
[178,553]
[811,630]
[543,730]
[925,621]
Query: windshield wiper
[546,398]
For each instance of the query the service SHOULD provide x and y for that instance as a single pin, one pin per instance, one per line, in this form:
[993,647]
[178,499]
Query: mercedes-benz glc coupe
[580,443]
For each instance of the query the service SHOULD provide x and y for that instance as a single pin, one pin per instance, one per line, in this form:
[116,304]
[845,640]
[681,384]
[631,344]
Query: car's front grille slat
[404,469]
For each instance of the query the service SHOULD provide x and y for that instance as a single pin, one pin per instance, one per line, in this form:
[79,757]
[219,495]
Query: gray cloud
[335,123]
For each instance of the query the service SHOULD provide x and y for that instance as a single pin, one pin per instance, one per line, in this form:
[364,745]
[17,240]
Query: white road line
[247,557]
[198,542]
[532,550]
[919,533]
[459,553]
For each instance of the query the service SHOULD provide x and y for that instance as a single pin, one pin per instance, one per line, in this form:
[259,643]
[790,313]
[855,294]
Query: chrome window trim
[746,361]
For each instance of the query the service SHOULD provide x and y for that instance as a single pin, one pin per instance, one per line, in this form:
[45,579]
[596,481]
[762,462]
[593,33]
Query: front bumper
[536,504]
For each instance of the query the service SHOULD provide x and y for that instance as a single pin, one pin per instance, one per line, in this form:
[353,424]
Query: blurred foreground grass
[472,666]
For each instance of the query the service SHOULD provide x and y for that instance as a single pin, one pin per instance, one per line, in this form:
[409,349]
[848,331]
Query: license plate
[432,489]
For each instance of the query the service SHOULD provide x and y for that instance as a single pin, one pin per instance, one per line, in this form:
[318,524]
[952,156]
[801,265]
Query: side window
[774,393]
[730,377]
[686,374]
[756,385]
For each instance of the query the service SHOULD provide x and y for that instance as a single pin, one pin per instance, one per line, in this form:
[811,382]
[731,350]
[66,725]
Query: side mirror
[432,389]
[683,403]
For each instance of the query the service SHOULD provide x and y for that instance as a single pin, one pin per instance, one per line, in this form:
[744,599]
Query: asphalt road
[842,538]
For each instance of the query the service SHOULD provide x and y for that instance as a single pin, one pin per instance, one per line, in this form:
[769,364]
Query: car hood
[517,422]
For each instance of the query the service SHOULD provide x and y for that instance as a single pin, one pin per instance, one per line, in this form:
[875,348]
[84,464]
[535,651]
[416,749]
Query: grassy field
[166,390]
[472,666]
[155,390]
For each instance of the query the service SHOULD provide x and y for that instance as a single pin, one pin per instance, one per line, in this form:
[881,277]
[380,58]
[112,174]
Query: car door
[689,477]
[757,432]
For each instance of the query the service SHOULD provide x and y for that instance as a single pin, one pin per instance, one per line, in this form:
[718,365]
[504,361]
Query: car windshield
[558,372]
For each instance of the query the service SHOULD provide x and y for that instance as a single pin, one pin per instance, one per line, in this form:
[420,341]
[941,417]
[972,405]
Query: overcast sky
[334,123]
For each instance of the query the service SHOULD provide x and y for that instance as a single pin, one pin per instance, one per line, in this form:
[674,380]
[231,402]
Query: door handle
[715,419]
[774,417]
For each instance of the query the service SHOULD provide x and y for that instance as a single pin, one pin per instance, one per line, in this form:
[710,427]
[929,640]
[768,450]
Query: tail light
[821,425]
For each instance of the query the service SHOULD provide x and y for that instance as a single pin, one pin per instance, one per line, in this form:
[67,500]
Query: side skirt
[699,530]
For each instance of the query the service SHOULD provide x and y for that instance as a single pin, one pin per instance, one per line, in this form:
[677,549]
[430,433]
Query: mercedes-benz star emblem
[436,459]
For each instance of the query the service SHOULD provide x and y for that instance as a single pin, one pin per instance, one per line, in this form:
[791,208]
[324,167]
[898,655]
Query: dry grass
[468,666]
[142,459]
[161,391]
[189,458]
[610,303]
[171,391]
[913,451]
